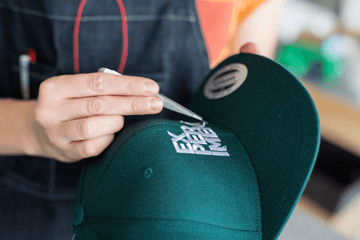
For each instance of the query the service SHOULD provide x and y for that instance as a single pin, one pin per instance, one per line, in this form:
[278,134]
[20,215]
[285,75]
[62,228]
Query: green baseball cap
[238,175]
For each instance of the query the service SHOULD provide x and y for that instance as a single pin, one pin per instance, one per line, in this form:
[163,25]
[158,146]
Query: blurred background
[319,42]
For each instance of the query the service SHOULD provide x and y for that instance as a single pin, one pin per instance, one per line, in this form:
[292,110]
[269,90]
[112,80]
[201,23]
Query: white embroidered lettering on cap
[198,139]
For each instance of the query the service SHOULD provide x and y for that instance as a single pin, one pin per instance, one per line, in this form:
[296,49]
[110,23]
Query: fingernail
[151,87]
[156,104]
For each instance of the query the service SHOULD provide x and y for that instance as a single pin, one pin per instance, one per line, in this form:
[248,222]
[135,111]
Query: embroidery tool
[167,102]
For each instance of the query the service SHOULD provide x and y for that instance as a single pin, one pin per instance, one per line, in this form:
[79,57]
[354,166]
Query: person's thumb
[249,48]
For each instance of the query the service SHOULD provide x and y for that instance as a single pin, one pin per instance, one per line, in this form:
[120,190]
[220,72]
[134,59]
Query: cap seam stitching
[181,213]
[159,219]
[191,229]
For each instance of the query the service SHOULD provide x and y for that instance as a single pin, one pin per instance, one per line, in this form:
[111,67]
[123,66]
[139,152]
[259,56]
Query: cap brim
[274,117]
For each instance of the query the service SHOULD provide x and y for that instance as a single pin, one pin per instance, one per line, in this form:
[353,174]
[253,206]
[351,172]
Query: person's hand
[249,48]
[76,116]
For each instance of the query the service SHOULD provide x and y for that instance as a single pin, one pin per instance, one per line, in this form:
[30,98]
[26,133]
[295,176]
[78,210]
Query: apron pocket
[38,72]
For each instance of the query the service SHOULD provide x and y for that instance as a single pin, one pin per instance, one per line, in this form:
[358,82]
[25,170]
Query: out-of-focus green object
[318,62]
[296,57]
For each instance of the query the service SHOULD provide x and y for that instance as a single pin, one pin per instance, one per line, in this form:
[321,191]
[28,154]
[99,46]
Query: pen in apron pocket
[24,64]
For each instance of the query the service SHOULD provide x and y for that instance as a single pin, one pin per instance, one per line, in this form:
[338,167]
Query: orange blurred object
[219,20]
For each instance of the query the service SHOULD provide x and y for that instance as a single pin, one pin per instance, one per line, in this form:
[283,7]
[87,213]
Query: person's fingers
[89,148]
[89,128]
[108,105]
[249,48]
[96,84]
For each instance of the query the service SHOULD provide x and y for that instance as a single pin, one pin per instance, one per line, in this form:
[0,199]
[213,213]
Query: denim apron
[165,44]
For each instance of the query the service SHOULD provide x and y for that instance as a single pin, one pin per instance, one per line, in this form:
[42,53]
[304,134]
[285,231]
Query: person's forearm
[16,121]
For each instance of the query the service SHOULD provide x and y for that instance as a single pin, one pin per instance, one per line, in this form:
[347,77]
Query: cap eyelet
[148,172]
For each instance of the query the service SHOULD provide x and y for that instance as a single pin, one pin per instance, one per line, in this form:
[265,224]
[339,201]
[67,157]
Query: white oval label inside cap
[225,81]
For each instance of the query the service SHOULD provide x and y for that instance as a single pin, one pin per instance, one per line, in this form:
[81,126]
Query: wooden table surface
[340,125]
[339,119]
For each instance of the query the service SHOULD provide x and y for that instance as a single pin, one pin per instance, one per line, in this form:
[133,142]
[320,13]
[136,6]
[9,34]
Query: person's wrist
[29,139]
